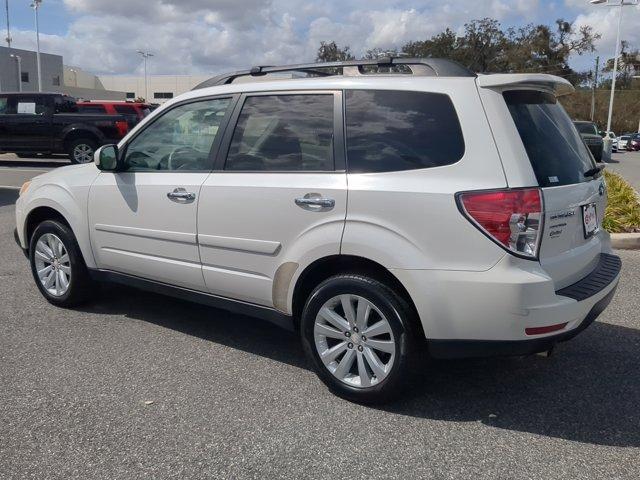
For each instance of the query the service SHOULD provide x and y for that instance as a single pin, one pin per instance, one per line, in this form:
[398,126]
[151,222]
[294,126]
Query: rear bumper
[470,314]
[488,348]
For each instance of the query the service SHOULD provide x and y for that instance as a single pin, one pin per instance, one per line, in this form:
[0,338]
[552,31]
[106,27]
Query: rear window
[556,151]
[587,128]
[396,130]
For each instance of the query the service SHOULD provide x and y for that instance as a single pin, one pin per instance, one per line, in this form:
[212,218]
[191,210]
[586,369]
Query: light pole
[8,39]
[36,6]
[19,61]
[638,77]
[75,76]
[145,55]
[620,4]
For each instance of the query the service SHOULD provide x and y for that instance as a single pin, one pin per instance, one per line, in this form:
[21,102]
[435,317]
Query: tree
[628,67]
[486,47]
[331,52]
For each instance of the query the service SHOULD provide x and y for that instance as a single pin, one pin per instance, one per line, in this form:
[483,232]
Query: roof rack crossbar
[439,67]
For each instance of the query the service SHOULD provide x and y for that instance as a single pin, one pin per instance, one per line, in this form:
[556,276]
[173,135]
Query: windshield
[556,152]
[588,128]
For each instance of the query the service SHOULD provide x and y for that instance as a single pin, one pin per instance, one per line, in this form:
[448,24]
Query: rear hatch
[574,203]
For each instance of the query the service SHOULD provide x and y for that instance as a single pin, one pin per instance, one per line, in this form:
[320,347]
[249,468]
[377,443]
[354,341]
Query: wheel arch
[50,206]
[326,267]
[76,133]
[38,215]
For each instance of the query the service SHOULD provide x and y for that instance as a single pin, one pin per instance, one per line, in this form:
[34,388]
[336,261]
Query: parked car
[33,123]
[133,112]
[614,140]
[623,142]
[463,235]
[589,133]
[634,142]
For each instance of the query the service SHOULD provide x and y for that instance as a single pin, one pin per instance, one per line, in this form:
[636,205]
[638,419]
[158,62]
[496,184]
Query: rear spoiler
[556,85]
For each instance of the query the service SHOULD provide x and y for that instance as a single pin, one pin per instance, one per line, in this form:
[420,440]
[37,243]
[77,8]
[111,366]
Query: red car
[634,142]
[132,112]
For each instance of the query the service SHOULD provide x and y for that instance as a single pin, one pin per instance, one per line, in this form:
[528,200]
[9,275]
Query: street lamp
[75,76]
[36,6]
[638,77]
[19,61]
[8,39]
[620,4]
[145,55]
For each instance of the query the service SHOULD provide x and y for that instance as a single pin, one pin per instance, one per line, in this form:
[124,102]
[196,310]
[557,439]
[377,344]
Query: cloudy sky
[209,36]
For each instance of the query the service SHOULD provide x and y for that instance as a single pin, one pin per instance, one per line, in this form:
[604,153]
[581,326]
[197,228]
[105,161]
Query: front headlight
[25,187]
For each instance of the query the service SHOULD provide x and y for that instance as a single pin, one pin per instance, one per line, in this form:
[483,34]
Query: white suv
[380,214]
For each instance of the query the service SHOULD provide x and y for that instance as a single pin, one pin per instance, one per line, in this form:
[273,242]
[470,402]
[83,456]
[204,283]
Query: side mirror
[106,158]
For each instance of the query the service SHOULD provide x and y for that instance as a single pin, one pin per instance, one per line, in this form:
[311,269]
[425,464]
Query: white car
[623,142]
[614,141]
[332,205]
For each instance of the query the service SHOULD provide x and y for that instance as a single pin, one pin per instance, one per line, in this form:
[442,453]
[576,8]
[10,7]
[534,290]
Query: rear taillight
[511,217]
[122,127]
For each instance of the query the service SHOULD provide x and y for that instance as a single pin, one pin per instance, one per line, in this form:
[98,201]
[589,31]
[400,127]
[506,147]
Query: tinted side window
[27,105]
[181,139]
[92,109]
[283,133]
[126,110]
[396,130]
[4,106]
[129,113]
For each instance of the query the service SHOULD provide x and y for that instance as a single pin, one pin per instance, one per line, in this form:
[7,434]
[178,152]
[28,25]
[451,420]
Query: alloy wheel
[53,264]
[354,340]
[83,153]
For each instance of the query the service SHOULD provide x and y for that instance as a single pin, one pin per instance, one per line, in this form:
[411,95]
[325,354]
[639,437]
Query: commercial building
[19,72]
[160,88]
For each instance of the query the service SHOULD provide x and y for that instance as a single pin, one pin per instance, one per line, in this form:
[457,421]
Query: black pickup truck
[33,123]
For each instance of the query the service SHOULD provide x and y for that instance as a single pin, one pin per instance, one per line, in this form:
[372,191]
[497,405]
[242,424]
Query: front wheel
[57,265]
[361,338]
[82,150]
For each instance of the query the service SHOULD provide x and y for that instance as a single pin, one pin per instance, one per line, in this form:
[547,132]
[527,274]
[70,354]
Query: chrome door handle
[315,203]
[181,195]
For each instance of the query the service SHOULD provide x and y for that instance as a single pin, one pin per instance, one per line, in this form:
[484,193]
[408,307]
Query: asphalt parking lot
[136,385]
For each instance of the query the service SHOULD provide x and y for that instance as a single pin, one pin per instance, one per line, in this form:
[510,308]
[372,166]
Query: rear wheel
[360,336]
[82,150]
[57,265]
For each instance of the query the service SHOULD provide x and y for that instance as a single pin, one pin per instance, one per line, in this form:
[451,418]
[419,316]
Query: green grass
[623,212]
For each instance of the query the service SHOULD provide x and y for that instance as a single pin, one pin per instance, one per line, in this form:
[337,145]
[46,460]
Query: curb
[625,241]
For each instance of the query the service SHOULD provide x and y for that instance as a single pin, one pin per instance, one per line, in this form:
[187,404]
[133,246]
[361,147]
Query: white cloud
[205,36]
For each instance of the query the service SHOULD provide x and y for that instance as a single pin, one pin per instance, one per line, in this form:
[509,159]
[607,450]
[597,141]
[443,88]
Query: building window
[163,95]
[131,95]
[55,81]
[24,76]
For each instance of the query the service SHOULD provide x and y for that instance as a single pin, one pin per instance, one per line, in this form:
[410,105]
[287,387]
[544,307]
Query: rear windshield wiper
[594,171]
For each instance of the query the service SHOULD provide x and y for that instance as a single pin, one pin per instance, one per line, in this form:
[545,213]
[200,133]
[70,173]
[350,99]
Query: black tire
[598,155]
[401,319]
[80,283]
[88,144]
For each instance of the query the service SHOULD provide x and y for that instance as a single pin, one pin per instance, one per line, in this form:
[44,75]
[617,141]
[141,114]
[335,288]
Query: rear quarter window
[398,130]
[556,151]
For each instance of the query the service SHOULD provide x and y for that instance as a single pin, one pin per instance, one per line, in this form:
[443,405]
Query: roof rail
[432,67]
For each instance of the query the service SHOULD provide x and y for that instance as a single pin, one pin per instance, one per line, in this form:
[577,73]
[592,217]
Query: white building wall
[158,84]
